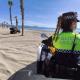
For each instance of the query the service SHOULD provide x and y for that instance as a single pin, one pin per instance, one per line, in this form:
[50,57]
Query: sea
[43,28]
[38,28]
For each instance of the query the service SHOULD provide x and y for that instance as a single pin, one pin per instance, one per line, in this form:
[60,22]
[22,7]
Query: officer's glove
[52,50]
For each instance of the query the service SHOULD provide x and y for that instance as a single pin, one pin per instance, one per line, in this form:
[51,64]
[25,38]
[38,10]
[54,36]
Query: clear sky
[39,12]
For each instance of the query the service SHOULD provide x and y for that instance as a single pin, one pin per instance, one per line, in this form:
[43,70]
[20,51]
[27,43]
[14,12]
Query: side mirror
[43,35]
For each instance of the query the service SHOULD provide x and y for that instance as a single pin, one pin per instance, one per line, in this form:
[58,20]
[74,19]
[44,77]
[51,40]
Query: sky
[41,13]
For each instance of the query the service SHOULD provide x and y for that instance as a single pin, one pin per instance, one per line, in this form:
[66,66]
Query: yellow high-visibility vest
[65,41]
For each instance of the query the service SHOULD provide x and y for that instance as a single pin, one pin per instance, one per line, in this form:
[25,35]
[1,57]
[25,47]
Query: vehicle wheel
[77,75]
[39,67]
[11,32]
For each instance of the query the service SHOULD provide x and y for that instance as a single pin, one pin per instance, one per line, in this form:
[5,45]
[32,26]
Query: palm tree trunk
[10,15]
[16,23]
[22,23]
[22,13]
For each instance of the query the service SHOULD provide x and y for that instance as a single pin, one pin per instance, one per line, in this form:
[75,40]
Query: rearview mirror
[43,35]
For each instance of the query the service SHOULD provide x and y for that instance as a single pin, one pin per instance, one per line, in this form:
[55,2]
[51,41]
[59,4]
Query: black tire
[43,68]
[39,67]
[11,32]
[77,75]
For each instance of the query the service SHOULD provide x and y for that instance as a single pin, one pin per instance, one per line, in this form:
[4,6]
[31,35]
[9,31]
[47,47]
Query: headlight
[79,64]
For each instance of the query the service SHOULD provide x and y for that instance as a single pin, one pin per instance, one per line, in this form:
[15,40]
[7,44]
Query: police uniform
[65,39]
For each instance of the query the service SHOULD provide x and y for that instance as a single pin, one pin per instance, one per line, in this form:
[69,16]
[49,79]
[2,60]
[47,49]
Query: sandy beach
[18,53]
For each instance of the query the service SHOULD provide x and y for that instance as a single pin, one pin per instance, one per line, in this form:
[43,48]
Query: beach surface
[18,55]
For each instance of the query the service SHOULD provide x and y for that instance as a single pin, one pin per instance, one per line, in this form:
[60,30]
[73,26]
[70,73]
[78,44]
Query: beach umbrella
[10,3]
[22,14]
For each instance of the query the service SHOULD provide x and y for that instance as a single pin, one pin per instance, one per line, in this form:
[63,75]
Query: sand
[18,55]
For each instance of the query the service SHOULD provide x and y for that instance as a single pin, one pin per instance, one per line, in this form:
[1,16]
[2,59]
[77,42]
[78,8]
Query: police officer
[67,39]
[64,40]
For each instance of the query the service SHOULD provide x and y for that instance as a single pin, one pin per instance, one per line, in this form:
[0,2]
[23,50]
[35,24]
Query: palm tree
[22,14]
[16,22]
[10,3]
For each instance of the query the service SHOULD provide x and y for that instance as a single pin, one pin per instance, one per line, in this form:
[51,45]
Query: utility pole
[22,14]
